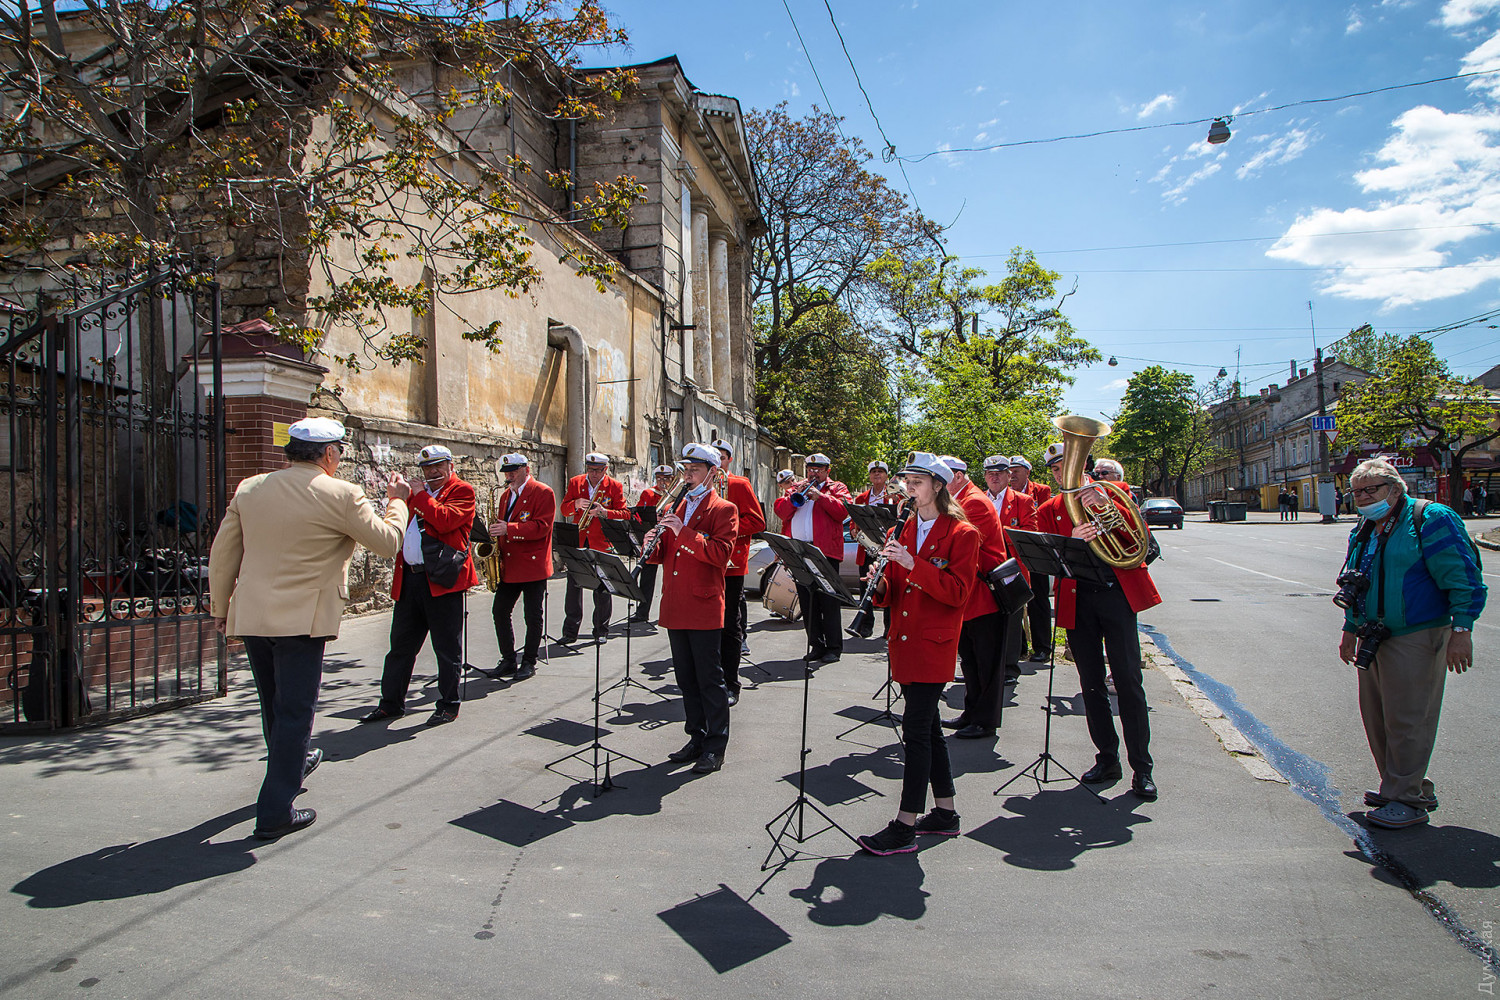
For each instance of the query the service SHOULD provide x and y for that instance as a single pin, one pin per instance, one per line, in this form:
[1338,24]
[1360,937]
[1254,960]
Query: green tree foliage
[1161,425]
[1363,348]
[1413,399]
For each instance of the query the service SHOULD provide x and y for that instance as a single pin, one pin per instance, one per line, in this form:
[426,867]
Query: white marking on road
[1247,569]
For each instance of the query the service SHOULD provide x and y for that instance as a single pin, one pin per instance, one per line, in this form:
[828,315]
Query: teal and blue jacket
[1446,588]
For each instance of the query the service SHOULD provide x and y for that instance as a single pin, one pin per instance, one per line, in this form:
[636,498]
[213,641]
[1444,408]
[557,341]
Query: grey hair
[1378,468]
[1111,465]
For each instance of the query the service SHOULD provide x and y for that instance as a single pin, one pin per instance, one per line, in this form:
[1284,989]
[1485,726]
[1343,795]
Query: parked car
[1162,511]
[762,558]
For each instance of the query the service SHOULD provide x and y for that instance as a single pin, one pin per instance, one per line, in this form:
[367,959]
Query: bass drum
[779,594]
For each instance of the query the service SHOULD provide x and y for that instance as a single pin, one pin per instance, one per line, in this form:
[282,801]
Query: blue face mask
[697,491]
[1375,511]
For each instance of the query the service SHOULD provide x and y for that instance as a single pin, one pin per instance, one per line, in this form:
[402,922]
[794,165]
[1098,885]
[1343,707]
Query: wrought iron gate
[111,486]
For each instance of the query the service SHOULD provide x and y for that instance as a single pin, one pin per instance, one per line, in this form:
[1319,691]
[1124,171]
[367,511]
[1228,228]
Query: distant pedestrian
[1481,501]
[279,572]
[1283,503]
[1295,504]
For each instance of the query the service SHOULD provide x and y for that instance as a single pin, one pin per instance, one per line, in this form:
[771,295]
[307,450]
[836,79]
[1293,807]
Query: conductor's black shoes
[441,717]
[1144,787]
[957,723]
[311,762]
[692,750]
[896,838]
[300,818]
[503,669]
[380,715]
[973,732]
[708,763]
[941,822]
[524,673]
[734,698]
[1102,772]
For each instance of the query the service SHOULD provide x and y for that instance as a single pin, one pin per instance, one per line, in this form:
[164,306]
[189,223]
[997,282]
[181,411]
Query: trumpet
[1123,538]
[487,554]
[799,497]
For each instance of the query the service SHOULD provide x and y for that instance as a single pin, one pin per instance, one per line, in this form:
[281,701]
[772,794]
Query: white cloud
[1116,385]
[792,90]
[1177,187]
[1485,57]
[1462,13]
[1178,194]
[975,91]
[1354,22]
[1277,150]
[989,124]
[981,136]
[1161,102]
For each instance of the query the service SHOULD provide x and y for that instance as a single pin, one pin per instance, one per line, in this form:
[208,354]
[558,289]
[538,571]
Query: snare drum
[779,595]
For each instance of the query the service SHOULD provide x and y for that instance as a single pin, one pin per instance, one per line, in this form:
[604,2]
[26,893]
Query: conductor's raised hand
[398,488]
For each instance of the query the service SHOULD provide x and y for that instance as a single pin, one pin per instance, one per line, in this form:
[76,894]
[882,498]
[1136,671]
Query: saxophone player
[593,495]
[1104,617]
[523,529]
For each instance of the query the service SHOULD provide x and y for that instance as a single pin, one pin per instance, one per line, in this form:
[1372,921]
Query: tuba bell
[1123,538]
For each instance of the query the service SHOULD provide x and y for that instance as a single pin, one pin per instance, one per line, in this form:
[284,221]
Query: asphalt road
[1249,604]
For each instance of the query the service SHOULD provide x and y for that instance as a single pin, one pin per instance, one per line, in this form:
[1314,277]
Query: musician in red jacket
[752,520]
[880,492]
[932,571]
[697,539]
[1040,608]
[981,646]
[523,530]
[650,497]
[443,510]
[1016,510]
[597,494]
[813,511]
[1104,617]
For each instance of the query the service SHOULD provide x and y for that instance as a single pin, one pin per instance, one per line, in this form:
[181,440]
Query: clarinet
[863,623]
[669,502]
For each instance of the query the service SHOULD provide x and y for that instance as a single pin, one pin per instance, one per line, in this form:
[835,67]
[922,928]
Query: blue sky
[943,74]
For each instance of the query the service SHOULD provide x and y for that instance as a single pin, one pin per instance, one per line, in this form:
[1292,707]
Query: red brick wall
[249,446]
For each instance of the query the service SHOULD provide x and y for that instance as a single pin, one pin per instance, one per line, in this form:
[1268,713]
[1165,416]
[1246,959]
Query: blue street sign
[1329,423]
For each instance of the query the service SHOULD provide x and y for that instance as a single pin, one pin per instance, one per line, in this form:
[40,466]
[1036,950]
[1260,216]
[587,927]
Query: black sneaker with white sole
[941,822]
[896,838]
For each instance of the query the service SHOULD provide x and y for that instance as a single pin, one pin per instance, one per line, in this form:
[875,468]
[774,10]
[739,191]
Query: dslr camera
[1352,586]
[1370,636]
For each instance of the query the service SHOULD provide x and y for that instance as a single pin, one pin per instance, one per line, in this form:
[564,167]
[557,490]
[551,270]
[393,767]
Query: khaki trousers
[1400,698]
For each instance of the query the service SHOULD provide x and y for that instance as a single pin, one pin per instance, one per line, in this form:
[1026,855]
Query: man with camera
[1411,588]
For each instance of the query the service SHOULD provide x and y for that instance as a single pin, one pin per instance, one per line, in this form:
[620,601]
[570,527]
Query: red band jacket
[1017,510]
[693,562]
[828,517]
[927,601]
[527,544]
[992,548]
[447,516]
[752,521]
[1135,584]
[610,492]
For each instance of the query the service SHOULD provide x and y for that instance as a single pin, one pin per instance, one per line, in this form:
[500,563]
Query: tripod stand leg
[1045,760]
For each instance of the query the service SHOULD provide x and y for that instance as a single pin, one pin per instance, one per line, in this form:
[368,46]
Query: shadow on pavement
[127,870]
[1457,855]
[866,888]
[1052,829]
[725,929]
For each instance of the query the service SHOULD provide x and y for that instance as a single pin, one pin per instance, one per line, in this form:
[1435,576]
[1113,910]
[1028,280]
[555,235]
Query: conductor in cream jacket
[278,575]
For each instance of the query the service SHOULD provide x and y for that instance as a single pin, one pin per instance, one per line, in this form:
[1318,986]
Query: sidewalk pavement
[450,862]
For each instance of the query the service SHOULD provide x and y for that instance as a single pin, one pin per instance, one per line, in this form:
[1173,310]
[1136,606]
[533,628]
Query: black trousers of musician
[604,606]
[532,595]
[417,615]
[926,752]
[705,701]
[821,619]
[733,632]
[1104,621]
[648,586]
[288,670]
[1040,610]
[1014,639]
[981,655]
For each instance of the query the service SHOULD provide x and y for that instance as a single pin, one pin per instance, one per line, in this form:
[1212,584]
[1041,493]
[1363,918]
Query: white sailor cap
[433,454]
[926,461]
[317,430]
[1020,460]
[725,446]
[662,470]
[785,476]
[877,464]
[817,458]
[996,463]
[515,460]
[954,463]
[594,458]
[697,452]
[1054,453]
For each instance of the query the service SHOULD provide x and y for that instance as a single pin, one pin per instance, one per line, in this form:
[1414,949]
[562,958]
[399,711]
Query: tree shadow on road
[126,870]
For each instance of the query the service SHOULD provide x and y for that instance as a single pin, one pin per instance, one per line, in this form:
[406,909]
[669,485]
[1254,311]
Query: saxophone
[487,553]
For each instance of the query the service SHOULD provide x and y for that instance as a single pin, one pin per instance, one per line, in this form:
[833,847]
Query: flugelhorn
[1123,538]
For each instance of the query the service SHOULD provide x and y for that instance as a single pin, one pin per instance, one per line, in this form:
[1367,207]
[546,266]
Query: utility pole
[1328,513]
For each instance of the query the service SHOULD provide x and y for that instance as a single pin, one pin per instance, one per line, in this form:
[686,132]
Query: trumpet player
[593,495]
[813,511]
[752,520]
[522,528]
[650,497]
[1099,617]
[442,510]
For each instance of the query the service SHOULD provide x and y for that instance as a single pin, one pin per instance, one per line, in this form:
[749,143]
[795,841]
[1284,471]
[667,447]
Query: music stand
[590,570]
[810,568]
[1058,556]
[620,536]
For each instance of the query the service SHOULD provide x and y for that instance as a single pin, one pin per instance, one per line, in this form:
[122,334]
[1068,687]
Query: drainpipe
[568,340]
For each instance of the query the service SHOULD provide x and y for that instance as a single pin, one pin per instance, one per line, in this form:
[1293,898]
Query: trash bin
[1215,510]
[1233,511]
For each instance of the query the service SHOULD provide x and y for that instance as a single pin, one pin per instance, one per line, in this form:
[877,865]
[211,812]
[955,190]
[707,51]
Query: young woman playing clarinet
[930,569]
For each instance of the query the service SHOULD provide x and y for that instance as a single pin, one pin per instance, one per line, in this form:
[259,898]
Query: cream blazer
[280,562]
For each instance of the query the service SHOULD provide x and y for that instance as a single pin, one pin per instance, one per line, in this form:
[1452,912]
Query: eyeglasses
[1368,491]
[1106,474]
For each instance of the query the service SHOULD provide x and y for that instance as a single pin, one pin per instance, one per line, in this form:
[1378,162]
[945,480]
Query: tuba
[487,554]
[1123,539]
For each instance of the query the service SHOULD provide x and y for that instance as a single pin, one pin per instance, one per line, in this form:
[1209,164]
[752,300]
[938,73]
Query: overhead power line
[1194,121]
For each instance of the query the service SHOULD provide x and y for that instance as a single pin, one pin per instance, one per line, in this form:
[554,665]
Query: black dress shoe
[1144,787]
[734,698]
[1103,772]
[525,672]
[973,732]
[600,635]
[639,618]
[441,717]
[957,723]
[503,669]
[300,818]
[827,658]
[708,763]
[691,751]
[568,640]
[310,764]
[815,654]
[380,715]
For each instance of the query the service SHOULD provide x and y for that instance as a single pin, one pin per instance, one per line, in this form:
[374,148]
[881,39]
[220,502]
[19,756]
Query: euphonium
[487,554]
[1123,539]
